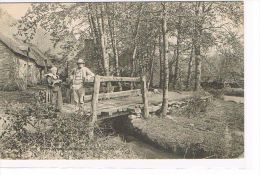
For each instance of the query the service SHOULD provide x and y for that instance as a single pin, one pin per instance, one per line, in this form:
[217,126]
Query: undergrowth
[36,131]
[192,106]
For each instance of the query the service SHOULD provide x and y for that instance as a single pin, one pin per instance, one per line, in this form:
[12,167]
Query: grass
[109,147]
[210,134]
[31,130]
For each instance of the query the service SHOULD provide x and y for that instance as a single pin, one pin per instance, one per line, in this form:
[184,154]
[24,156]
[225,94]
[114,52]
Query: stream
[234,99]
[147,151]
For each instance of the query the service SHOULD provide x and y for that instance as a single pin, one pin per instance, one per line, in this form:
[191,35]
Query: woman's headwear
[54,69]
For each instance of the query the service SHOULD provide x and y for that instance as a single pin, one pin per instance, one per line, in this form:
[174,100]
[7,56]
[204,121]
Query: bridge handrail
[115,79]
[95,96]
[119,79]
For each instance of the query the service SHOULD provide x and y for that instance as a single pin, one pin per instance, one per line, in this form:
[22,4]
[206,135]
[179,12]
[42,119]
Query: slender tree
[135,37]
[189,68]
[197,44]
[161,60]
[103,42]
[113,36]
[151,68]
[179,30]
[165,59]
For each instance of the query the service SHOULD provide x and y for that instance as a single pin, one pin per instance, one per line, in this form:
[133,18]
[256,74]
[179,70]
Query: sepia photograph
[122,80]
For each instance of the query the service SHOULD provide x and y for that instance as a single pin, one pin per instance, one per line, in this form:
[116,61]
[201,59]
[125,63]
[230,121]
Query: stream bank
[215,132]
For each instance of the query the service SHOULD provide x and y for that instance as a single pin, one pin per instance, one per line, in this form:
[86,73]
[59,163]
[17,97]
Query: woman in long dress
[54,83]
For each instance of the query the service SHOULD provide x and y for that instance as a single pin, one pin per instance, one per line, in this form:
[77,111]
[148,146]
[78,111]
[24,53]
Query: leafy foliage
[133,29]
[38,132]
[194,107]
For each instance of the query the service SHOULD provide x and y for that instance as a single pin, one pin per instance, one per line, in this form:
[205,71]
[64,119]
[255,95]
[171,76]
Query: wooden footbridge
[113,104]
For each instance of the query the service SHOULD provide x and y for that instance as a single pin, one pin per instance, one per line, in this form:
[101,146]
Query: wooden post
[47,96]
[94,106]
[27,66]
[45,66]
[68,90]
[145,98]
[47,90]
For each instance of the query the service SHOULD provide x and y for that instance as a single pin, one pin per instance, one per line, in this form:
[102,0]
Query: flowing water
[147,151]
[234,99]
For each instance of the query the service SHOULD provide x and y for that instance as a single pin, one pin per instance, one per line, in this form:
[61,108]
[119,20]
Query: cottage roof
[21,48]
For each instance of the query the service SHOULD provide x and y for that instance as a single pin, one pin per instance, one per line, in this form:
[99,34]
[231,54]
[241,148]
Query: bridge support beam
[94,106]
[145,98]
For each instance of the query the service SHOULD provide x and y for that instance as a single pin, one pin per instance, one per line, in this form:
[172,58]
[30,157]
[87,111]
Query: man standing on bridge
[78,77]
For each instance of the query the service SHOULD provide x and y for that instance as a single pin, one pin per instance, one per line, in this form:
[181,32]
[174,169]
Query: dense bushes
[38,132]
[192,106]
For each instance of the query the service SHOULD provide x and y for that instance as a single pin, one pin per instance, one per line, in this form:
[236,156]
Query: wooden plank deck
[120,106]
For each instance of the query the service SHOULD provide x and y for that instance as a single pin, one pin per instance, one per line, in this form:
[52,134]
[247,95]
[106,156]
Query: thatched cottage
[21,65]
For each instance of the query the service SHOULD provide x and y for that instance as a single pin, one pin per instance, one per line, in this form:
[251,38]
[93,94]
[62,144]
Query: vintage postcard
[122,80]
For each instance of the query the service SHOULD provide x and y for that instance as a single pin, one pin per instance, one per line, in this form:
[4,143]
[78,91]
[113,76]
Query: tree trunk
[145,98]
[93,25]
[197,68]
[176,68]
[150,82]
[161,61]
[103,44]
[165,58]
[189,68]
[197,47]
[133,60]
[96,36]
[113,36]
[171,72]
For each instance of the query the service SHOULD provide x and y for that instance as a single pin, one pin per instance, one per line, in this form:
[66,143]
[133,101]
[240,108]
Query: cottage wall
[7,61]
[28,70]
[14,67]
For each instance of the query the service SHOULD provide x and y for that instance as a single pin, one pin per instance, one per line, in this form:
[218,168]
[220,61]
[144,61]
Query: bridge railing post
[94,104]
[144,97]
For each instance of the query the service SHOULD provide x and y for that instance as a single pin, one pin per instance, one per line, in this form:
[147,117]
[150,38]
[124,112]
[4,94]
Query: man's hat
[80,61]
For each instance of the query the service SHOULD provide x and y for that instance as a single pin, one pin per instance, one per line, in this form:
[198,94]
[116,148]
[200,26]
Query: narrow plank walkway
[123,104]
